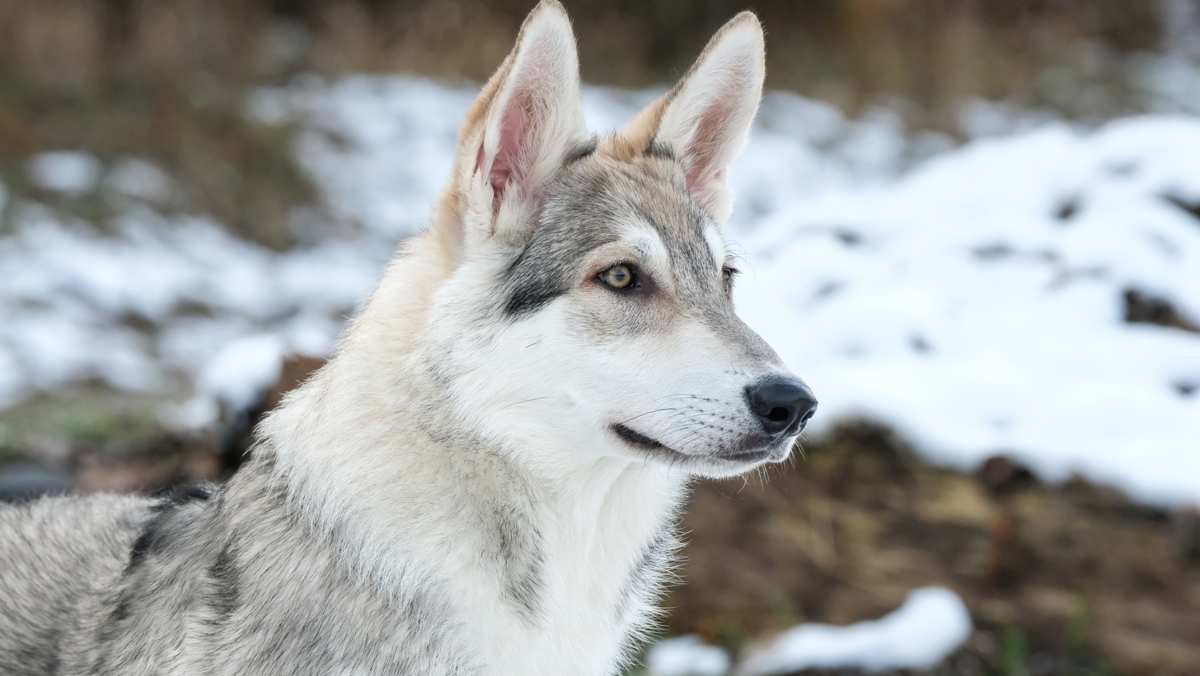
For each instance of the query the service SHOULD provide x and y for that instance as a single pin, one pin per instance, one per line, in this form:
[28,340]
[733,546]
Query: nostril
[782,405]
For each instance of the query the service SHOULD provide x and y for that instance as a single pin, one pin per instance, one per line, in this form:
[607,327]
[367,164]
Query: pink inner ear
[707,149]
[506,167]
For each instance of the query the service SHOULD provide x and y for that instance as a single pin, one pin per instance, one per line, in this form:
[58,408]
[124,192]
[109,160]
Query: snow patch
[686,656]
[64,171]
[976,303]
[141,180]
[930,625]
[243,370]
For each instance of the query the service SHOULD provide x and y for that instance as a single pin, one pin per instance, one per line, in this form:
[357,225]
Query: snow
[139,179]
[64,171]
[968,313]
[969,296]
[927,628]
[686,656]
[243,369]
[70,295]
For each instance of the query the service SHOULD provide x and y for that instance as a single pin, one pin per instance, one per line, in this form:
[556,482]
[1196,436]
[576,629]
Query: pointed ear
[519,129]
[706,116]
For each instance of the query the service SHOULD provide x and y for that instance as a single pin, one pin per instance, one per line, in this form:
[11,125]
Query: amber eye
[620,277]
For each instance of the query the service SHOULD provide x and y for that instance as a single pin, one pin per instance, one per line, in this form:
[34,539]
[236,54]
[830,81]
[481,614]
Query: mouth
[759,452]
[641,441]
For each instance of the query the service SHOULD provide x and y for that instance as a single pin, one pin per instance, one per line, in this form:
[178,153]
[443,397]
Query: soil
[1070,579]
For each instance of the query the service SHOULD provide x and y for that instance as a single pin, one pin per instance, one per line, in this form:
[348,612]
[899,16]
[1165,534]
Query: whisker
[523,402]
[641,415]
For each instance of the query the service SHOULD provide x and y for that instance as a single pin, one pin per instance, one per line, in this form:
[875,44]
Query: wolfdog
[485,477]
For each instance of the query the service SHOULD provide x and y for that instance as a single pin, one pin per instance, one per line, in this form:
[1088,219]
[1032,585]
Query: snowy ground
[969,296]
[930,625]
[976,302]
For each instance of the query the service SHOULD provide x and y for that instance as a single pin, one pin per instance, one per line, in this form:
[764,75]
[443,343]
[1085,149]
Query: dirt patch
[1073,579]
[100,441]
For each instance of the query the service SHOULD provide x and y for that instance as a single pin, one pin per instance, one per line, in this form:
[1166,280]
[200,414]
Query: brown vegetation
[1072,579]
[167,80]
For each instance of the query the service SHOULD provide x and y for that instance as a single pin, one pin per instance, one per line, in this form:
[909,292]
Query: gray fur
[519,558]
[123,585]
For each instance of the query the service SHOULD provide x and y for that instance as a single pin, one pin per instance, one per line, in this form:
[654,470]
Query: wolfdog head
[576,302]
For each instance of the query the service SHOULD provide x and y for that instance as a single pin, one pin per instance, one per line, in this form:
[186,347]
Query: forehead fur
[646,187]
[601,190]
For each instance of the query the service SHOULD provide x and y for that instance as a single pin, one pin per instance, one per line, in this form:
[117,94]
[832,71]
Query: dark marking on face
[546,267]
[528,298]
[531,284]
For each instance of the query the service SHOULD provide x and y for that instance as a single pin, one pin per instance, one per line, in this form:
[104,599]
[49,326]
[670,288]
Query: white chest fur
[606,539]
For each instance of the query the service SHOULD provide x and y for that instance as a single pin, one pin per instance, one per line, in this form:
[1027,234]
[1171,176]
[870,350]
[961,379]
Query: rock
[1145,308]
[1001,474]
[1185,530]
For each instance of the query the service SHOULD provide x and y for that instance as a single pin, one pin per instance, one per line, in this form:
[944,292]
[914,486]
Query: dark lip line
[639,440]
[634,438]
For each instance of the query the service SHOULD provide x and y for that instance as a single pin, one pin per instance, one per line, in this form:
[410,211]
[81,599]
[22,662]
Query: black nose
[783,405]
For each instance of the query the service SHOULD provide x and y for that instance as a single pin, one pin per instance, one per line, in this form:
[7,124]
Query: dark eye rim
[635,284]
[729,273]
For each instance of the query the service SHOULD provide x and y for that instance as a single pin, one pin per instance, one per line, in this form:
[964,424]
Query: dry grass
[1060,580]
[165,83]
[166,80]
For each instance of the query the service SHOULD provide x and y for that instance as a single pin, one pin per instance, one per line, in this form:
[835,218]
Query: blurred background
[973,227]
